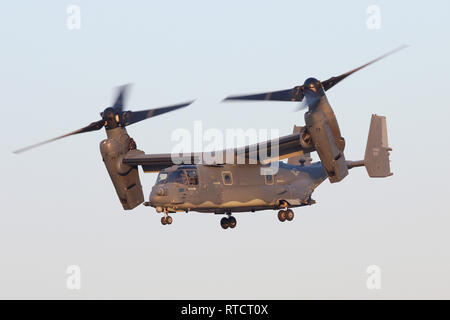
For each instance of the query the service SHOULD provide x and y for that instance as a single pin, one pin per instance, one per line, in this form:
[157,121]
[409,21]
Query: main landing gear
[166,219]
[284,215]
[228,222]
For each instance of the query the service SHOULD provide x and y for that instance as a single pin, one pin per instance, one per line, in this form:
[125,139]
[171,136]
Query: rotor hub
[314,85]
[111,118]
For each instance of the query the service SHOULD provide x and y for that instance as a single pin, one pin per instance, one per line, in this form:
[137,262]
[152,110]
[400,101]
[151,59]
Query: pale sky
[59,207]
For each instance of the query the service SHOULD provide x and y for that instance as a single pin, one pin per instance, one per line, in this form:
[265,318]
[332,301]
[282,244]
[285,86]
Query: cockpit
[181,176]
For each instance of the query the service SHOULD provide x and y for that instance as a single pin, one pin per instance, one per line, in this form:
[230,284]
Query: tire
[232,222]
[169,220]
[289,215]
[282,215]
[163,221]
[224,223]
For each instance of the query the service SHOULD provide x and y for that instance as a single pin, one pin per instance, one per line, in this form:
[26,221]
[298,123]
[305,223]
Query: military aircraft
[192,182]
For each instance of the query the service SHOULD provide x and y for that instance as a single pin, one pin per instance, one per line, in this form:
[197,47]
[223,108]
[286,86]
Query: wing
[157,162]
[260,153]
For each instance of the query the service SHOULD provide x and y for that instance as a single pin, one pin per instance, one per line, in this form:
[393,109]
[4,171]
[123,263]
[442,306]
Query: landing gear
[282,215]
[289,215]
[166,220]
[285,215]
[228,222]
[232,222]
[224,223]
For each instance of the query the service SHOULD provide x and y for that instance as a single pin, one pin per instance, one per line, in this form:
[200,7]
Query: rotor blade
[307,102]
[130,117]
[328,84]
[92,127]
[120,99]
[294,94]
[301,106]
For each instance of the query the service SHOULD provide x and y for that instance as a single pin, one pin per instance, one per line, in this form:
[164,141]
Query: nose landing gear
[287,215]
[228,222]
[166,219]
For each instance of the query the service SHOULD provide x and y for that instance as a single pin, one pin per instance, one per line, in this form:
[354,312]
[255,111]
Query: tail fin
[376,158]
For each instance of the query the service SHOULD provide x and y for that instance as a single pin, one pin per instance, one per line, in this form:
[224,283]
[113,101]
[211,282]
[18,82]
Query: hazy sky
[59,207]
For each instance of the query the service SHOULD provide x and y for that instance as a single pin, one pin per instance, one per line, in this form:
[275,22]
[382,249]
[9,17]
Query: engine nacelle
[125,178]
[322,126]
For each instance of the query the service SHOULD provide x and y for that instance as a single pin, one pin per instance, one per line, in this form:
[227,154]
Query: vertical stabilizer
[376,158]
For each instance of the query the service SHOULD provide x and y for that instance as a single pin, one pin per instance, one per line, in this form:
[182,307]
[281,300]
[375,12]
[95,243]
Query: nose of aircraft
[157,194]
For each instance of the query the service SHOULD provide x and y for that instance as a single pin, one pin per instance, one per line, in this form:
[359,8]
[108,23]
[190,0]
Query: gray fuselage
[234,188]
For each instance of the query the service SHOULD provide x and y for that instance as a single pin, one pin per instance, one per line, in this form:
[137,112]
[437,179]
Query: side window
[192,177]
[269,179]
[227,178]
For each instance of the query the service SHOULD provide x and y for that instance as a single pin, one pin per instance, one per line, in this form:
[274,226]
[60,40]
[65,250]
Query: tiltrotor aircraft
[189,182]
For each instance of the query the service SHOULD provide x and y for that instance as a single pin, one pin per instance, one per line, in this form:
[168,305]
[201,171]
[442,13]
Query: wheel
[282,215]
[169,220]
[164,220]
[289,215]
[232,222]
[224,223]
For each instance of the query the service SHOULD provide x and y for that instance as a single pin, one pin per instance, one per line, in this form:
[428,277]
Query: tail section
[376,158]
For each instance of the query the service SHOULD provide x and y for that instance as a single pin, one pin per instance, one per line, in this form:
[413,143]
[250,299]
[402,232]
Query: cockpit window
[188,176]
[178,176]
[162,177]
